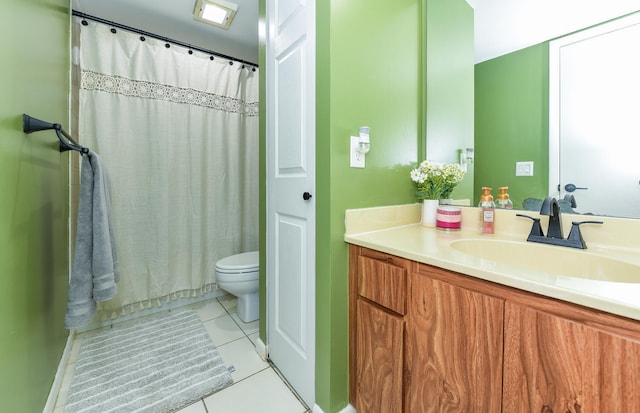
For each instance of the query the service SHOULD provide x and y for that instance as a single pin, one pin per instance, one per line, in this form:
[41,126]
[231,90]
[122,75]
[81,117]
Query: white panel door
[290,75]
[598,117]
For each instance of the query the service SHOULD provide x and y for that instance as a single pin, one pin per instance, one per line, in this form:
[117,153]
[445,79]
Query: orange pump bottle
[503,200]
[487,211]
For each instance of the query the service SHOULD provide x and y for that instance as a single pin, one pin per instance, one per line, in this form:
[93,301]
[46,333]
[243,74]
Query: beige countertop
[397,230]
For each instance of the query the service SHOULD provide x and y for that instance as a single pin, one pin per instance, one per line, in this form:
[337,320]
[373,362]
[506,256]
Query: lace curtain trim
[149,90]
[103,314]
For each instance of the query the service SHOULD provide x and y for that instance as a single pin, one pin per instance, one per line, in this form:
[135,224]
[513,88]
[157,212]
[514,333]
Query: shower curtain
[178,132]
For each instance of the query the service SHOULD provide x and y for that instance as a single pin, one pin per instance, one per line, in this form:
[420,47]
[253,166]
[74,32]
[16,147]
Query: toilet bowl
[238,275]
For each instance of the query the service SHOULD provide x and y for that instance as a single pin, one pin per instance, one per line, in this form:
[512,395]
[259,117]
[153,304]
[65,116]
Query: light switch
[524,168]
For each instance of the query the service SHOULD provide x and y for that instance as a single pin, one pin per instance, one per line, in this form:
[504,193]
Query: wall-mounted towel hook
[67,143]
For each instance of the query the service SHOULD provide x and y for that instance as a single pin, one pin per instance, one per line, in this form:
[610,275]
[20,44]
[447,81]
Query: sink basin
[550,259]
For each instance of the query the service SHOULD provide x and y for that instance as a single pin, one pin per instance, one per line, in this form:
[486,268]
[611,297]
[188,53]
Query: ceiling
[501,26]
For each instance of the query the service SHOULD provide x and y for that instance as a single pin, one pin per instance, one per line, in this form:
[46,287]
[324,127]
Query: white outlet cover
[524,168]
[356,159]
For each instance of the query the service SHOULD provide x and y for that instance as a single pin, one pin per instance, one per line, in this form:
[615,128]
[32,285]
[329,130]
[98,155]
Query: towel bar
[67,143]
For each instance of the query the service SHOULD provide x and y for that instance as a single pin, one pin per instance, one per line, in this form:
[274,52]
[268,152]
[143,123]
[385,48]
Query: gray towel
[95,262]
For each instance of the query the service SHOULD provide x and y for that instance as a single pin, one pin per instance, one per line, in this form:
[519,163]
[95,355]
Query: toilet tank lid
[241,261]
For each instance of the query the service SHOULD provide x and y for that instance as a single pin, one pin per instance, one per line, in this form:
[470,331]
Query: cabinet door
[552,364]
[378,360]
[453,349]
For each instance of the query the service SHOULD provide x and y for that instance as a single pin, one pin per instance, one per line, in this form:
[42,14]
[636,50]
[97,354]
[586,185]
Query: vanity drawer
[383,282]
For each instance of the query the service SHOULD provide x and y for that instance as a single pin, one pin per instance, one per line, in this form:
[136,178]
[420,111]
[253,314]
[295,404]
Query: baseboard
[50,406]
[348,409]
[261,349]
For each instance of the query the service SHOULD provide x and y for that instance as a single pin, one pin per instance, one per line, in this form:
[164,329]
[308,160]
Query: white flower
[436,180]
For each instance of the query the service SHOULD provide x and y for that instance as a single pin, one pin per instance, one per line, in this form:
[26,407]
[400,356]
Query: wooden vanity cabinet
[379,362]
[377,306]
[567,359]
[424,339]
[419,344]
[453,350]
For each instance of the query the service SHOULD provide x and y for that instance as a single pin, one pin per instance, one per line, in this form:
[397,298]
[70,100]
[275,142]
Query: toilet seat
[245,262]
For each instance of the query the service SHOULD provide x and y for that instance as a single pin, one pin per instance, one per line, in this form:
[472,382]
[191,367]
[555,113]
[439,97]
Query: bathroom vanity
[436,330]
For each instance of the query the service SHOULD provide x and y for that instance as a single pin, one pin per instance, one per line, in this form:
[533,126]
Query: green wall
[372,69]
[34,78]
[368,73]
[512,122]
[262,174]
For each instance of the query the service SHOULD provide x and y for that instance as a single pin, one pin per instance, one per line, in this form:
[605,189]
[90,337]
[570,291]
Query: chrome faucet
[554,235]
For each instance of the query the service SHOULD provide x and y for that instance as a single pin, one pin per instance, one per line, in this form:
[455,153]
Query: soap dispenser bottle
[487,211]
[503,200]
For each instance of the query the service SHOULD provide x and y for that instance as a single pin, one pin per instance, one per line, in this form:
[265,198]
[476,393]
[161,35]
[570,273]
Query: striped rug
[159,364]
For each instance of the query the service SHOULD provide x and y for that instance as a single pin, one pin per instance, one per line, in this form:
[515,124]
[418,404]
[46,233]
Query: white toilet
[238,275]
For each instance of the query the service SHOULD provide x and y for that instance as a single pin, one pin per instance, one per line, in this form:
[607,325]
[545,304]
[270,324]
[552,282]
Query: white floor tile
[263,392]
[208,310]
[248,328]
[242,355]
[230,302]
[194,408]
[223,330]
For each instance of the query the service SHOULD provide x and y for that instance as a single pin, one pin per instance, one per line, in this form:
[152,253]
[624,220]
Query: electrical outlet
[524,168]
[356,159]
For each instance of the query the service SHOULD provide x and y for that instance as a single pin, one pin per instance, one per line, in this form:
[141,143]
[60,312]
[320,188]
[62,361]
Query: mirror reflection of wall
[512,122]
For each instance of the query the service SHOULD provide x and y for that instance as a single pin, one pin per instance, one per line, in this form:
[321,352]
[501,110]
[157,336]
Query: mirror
[594,128]
[512,104]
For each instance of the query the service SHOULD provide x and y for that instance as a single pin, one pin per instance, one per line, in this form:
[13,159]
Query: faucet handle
[575,236]
[586,222]
[536,229]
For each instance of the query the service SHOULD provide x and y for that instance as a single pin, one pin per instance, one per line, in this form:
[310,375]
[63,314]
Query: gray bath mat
[159,364]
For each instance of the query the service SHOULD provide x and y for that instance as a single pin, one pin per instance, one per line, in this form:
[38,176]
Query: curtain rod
[156,36]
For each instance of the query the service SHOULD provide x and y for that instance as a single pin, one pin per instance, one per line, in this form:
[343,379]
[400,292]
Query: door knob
[306,196]
[571,187]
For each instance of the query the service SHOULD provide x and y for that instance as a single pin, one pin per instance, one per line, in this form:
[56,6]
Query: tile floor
[256,386]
